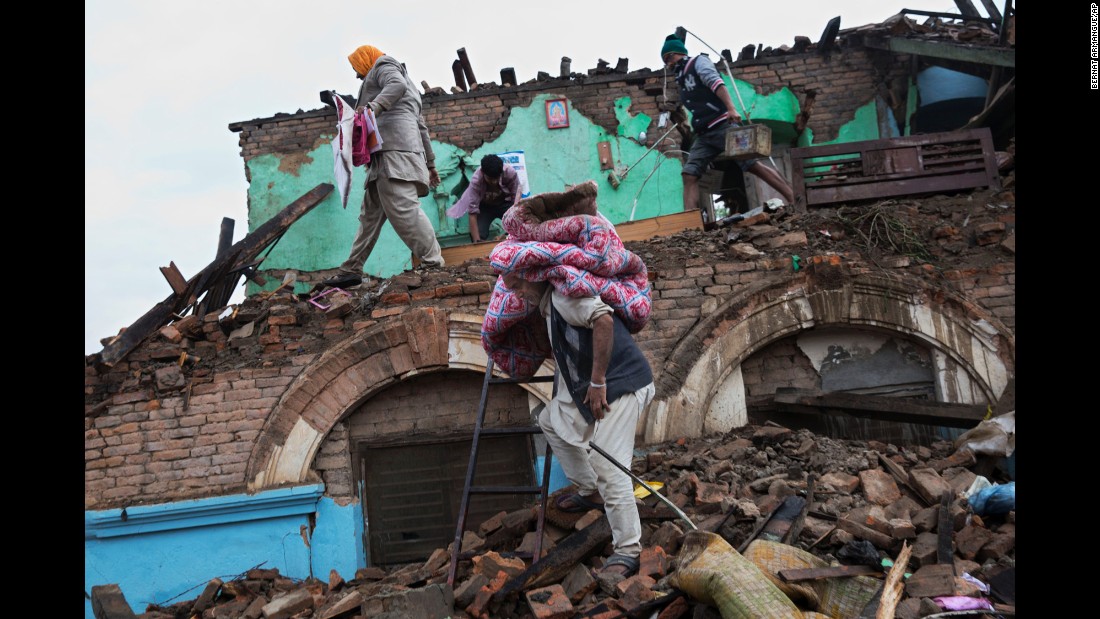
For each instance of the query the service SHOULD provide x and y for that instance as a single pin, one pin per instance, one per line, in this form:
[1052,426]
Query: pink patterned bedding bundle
[559,238]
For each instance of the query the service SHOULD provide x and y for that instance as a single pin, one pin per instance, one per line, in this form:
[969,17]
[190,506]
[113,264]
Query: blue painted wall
[167,553]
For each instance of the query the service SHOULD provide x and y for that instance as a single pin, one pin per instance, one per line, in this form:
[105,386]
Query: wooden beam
[560,560]
[819,573]
[992,10]
[966,7]
[461,253]
[662,225]
[460,79]
[232,260]
[640,230]
[996,56]
[880,540]
[467,68]
[880,407]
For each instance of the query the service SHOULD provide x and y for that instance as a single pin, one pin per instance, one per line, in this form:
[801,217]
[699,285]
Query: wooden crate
[748,142]
[911,165]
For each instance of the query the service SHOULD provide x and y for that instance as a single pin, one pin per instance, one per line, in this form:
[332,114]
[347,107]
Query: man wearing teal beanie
[704,94]
[673,44]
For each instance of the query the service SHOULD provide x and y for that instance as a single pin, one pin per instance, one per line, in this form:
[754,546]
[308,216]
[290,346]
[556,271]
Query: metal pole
[644,485]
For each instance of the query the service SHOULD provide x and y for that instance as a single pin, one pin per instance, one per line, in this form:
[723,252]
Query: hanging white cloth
[341,147]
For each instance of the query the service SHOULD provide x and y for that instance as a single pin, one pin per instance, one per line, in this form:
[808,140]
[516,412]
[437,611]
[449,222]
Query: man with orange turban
[401,171]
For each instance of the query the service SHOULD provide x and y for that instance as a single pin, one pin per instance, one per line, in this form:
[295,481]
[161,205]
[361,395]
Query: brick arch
[417,342]
[970,337]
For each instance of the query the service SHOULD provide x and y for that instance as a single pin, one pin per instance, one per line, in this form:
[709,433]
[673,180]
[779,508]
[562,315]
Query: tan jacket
[400,116]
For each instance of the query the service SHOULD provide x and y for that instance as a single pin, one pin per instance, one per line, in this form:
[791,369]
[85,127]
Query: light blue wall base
[338,540]
[558,480]
[167,553]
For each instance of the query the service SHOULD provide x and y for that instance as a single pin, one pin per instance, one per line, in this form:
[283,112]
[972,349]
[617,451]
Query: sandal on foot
[581,504]
[630,563]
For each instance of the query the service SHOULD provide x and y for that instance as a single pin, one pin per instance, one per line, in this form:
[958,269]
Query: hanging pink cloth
[579,252]
[356,138]
[365,138]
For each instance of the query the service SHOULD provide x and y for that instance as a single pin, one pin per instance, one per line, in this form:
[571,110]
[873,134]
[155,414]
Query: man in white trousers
[602,384]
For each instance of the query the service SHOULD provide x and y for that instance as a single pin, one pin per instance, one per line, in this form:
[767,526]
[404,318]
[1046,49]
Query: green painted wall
[555,158]
[863,126]
[778,110]
[650,183]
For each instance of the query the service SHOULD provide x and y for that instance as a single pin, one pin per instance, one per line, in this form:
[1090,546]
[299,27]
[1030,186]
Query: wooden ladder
[469,489]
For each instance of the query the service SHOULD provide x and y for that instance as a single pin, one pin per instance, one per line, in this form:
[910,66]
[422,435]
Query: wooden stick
[945,532]
[892,588]
[819,540]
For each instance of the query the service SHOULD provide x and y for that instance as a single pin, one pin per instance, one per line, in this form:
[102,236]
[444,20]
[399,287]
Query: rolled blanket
[562,239]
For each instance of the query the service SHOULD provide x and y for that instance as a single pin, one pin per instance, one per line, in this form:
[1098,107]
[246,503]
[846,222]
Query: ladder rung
[505,489]
[470,554]
[532,379]
[516,430]
[469,489]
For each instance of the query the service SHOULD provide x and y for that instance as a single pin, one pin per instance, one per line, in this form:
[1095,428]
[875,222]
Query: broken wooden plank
[945,531]
[662,225]
[557,563]
[895,470]
[967,8]
[820,573]
[763,522]
[881,407]
[892,588]
[640,230]
[221,292]
[880,540]
[99,408]
[796,527]
[243,251]
[174,277]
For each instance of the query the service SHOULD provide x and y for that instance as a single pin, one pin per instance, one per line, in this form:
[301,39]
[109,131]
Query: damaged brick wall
[837,86]
[780,365]
[186,415]
[150,440]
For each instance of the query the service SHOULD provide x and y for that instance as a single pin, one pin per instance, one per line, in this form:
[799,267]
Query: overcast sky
[164,79]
